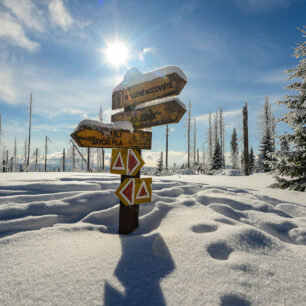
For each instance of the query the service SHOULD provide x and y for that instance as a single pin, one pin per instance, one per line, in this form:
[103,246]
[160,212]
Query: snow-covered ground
[204,240]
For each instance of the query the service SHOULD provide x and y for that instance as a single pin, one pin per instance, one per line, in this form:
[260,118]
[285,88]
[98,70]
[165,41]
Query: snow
[204,240]
[133,76]
[93,124]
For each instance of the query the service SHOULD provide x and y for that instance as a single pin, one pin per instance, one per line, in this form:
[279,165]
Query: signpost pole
[128,215]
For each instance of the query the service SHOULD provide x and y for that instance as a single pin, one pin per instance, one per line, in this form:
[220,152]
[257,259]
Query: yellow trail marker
[126,162]
[135,191]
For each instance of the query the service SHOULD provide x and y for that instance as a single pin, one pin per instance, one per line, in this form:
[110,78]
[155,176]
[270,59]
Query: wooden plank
[110,138]
[164,86]
[167,112]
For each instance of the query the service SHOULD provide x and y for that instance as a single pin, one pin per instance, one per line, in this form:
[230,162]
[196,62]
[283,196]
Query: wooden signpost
[136,88]
[111,138]
[164,82]
[165,112]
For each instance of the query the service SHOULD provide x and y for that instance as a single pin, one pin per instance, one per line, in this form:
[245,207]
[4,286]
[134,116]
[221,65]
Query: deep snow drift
[204,240]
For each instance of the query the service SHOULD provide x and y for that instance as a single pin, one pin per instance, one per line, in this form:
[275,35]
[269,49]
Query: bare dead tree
[189,115]
[29,137]
[167,135]
[15,156]
[194,140]
[246,139]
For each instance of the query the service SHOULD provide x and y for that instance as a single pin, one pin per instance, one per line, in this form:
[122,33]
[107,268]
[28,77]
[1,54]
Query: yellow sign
[109,138]
[126,162]
[135,191]
[158,114]
[168,85]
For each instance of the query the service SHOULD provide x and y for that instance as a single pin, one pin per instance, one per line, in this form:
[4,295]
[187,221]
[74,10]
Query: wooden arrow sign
[138,88]
[126,162]
[135,191]
[111,138]
[166,111]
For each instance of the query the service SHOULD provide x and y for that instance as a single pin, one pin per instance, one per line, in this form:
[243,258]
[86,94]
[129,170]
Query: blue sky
[232,51]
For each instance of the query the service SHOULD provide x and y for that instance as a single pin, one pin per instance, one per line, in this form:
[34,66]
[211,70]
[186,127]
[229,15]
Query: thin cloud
[254,6]
[272,77]
[26,12]
[227,114]
[7,88]
[59,14]
[13,33]
[141,54]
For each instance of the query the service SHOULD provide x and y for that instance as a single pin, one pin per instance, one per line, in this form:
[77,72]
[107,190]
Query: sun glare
[117,53]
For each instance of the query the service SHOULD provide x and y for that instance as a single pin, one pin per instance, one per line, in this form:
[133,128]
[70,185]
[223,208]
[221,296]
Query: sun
[116,53]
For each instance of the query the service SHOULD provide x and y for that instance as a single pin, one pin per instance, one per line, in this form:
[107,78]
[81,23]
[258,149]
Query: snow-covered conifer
[217,161]
[290,163]
[234,150]
[252,160]
[160,163]
[266,146]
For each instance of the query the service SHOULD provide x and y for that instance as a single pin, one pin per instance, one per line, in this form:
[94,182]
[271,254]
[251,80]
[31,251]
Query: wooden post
[246,139]
[128,215]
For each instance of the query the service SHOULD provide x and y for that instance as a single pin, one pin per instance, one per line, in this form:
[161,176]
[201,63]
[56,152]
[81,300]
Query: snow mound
[97,125]
[227,242]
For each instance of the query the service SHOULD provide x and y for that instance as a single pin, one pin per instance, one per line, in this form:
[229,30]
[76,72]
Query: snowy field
[204,240]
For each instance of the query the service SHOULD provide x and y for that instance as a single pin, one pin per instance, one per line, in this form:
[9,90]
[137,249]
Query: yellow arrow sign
[126,162]
[110,138]
[135,191]
[171,110]
[164,82]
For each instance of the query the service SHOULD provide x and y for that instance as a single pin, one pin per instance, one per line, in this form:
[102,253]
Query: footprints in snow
[204,228]
[281,220]
[219,250]
[234,300]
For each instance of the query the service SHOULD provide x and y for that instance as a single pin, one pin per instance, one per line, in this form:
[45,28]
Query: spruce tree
[265,149]
[160,163]
[290,164]
[266,146]
[217,161]
[234,150]
[252,160]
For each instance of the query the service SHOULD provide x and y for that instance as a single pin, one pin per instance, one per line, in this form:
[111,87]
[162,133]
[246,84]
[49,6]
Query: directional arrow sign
[111,138]
[166,111]
[135,191]
[126,162]
[138,88]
